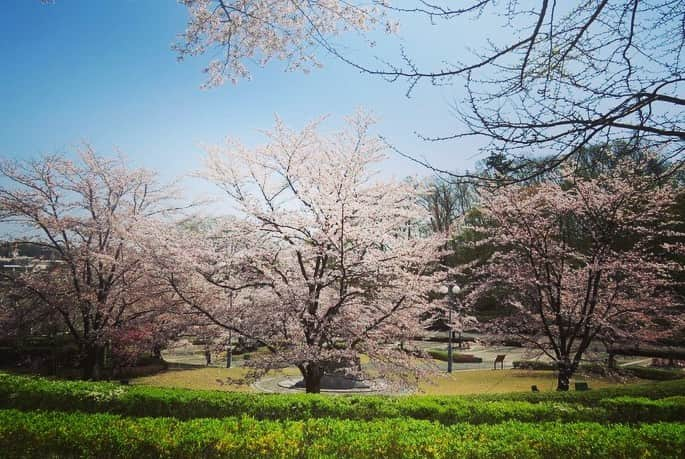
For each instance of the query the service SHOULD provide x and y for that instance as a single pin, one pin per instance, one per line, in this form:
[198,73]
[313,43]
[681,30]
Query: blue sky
[103,72]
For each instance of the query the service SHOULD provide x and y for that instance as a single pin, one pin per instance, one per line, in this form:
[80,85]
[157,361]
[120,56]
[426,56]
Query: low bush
[539,365]
[641,409]
[656,374]
[651,390]
[47,434]
[31,393]
[533,365]
[440,354]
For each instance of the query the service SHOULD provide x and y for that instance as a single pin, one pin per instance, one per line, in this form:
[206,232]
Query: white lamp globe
[456,289]
[444,289]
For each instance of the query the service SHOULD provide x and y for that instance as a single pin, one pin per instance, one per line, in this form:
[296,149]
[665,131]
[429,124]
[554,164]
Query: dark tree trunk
[312,374]
[566,370]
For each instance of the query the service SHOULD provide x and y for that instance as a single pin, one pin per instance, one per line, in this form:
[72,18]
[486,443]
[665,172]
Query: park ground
[188,370]
[460,382]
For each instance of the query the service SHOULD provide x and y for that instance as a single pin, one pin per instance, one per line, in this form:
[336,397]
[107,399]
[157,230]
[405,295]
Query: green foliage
[441,355]
[40,418]
[641,409]
[26,393]
[587,368]
[657,374]
[533,365]
[44,434]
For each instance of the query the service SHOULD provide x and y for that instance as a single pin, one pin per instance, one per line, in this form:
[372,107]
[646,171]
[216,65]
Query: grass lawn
[460,382]
[213,378]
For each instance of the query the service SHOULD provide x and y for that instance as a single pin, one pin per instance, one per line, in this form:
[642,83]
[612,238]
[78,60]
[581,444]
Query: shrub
[641,409]
[533,365]
[441,355]
[46,434]
[656,374]
[28,393]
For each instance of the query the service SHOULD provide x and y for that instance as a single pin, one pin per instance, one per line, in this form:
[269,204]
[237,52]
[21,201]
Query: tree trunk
[312,374]
[566,371]
[229,350]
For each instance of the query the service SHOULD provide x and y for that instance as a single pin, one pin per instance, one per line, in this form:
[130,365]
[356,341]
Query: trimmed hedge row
[656,374]
[608,406]
[439,354]
[533,365]
[46,434]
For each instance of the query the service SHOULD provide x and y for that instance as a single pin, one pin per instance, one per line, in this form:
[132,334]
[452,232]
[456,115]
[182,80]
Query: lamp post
[229,350]
[451,290]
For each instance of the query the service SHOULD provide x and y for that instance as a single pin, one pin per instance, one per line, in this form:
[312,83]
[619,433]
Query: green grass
[504,381]
[209,378]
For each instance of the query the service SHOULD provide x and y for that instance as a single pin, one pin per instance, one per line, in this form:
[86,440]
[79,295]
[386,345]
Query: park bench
[499,359]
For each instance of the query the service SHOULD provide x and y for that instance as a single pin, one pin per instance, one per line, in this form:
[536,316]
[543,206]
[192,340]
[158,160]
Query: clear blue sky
[103,72]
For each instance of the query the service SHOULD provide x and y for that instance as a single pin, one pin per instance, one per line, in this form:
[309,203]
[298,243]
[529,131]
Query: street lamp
[451,290]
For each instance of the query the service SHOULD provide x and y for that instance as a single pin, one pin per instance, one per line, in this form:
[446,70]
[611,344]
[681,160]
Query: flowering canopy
[85,213]
[322,263]
[260,31]
[580,261]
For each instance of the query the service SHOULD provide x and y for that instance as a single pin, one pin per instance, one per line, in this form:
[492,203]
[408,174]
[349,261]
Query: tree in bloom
[580,261]
[85,212]
[566,74]
[259,31]
[321,263]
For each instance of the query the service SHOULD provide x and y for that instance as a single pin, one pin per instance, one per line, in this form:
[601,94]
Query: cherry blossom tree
[320,265]
[85,212]
[243,31]
[579,261]
[562,76]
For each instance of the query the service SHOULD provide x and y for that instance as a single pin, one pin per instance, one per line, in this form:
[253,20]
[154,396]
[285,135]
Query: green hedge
[45,434]
[533,365]
[440,354]
[585,368]
[656,374]
[32,393]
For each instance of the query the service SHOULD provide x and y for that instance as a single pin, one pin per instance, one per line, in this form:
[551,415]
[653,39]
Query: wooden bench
[499,359]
